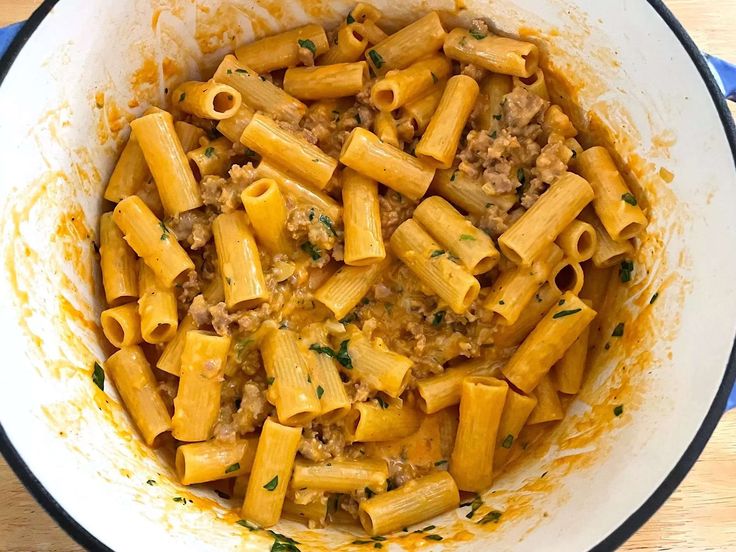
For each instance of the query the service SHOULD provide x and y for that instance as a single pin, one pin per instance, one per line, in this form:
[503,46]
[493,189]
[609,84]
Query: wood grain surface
[700,515]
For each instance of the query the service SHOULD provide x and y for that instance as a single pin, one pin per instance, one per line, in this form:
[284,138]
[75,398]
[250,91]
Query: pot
[80,70]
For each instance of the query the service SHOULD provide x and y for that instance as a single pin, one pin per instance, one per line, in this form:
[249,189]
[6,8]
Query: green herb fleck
[521,177]
[439,316]
[350,318]
[437,253]
[618,410]
[497,117]
[564,313]
[477,35]
[433,537]
[477,503]
[508,441]
[98,376]
[327,222]
[493,135]
[376,59]
[350,19]
[308,44]
[502,302]
[164,231]
[241,71]
[229,71]
[343,357]
[467,237]
[246,524]
[624,272]
[454,176]
[233,467]
[629,198]
[383,404]
[490,517]
[320,391]
[279,546]
[377,545]
[379,539]
[271,485]
[182,97]
[654,298]
[561,302]
[435,80]
[618,331]
[180,499]
[440,463]
[209,152]
[361,542]
[322,350]
[313,251]
[151,482]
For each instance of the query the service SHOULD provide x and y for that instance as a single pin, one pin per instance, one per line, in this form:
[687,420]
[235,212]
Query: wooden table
[700,515]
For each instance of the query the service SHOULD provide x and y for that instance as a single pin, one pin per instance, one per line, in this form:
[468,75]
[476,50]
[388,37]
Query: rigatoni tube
[512,334]
[269,478]
[608,252]
[151,240]
[344,290]
[445,224]
[376,366]
[291,390]
[548,342]
[170,359]
[281,50]
[119,264]
[211,159]
[567,275]
[350,46]
[134,380]
[207,100]
[370,422]
[214,460]
[579,241]
[259,94]
[399,88]
[189,135]
[292,153]
[266,210]
[546,219]
[420,39]
[333,399]
[440,141]
[516,411]
[197,401]
[467,193]
[168,163]
[419,112]
[433,266]
[326,81]
[534,83]
[614,203]
[495,53]
[122,325]
[233,128]
[418,500]
[238,261]
[362,220]
[364,152]
[130,172]
[157,307]
[438,392]
[385,127]
[341,476]
[549,408]
[481,405]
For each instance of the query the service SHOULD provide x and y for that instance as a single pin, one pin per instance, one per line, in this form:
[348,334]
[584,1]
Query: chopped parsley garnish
[308,44]
[271,485]
[327,222]
[180,499]
[508,441]
[497,117]
[320,391]
[269,381]
[467,237]
[350,318]
[240,347]
[164,231]
[564,313]
[98,376]
[477,503]
[361,542]
[350,19]
[209,152]
[322,350]
[493,135]
[618,331]
[490,517]
[454,176]
[435,80]
[439,316]
[376,59]
[233,467]
[279,546]
[433,537]
[477,35]
[313,251]
[441,463]
[182,97]
[151,482]
[343,357]
[562,302]
[383,404]
[629,198]
[521,177]
[502,302]
[241,71]
[624,272]
[229,71]
[246,524]
[618,410]
[654,298]
[437,253]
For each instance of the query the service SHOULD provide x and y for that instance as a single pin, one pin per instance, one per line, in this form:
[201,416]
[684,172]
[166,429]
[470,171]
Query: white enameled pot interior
[92,65]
